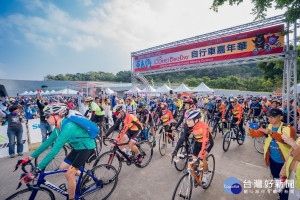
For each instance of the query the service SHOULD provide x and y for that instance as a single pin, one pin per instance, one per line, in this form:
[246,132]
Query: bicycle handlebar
[109,139]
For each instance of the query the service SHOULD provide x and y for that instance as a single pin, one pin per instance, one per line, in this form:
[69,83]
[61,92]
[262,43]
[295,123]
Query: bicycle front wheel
[226,141]
[211,170]
[215,129]
[239,138]
[184,188]
[146,151]
[182,156]
[259,144]
[107,175]
[111,158]
[162,143]
[42,194]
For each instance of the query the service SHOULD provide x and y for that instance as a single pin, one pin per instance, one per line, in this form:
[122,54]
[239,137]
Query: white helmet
[56,109]
[193,114]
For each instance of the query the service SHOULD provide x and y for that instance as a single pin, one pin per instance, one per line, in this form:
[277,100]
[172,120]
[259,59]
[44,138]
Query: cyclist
[131,130]
[71,133]
[237,112]
[203,141]
[166,117]
[130,106]
[145,117]
[255,108]
[172,107]
[188,104]
[95,110]
[208,107]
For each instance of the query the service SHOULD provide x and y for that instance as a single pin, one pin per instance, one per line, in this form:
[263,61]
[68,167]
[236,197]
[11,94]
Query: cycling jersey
[221,109]
[130,123]
[143,115]
[166,117]
[236,110]
[209,105]
[72,134]
[96,109]
[256,108]
[201,134]
[131,109]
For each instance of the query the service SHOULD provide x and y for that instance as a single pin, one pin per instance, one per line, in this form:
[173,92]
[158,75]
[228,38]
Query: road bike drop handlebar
[23,174]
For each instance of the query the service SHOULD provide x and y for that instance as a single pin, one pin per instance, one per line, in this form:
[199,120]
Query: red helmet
[189,101]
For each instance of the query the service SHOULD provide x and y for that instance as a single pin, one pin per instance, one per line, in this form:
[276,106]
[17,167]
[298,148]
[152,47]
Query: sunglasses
[47,117]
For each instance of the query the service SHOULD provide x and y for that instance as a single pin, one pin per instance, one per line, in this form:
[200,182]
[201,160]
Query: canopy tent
[46,92]
[53,92]
[163,89]
[66,92]
[182,88]
[202,88]
[108,91]
[148,90]
[133,90]
[24,93]
[30,93]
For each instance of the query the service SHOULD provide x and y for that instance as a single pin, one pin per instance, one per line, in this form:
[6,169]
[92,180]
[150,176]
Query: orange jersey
[201,133]
[129,122]
[222,109]
[166,118]
[237,112]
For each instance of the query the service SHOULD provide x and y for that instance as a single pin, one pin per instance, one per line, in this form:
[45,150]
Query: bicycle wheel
[215,129]
[55,162]
[111,158]
[98,144]
[184,188]
[259,144]
[238,138]
[211,169]
[146,150]
[106,174]
[42,194]
[162,143]
[182,156]
[226,141]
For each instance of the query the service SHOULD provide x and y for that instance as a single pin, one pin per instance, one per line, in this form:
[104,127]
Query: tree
[260,7]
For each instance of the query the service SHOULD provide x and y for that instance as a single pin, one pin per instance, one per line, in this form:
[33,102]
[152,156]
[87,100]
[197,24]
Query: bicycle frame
[190,169]
[42,181]
[117,149]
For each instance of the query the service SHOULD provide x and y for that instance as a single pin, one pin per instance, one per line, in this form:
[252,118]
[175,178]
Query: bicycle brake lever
[17,165]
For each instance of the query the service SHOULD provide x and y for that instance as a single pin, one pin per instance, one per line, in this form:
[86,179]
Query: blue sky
[40,37]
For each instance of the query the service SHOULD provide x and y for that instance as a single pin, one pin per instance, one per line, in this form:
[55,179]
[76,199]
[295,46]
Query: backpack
[84,123]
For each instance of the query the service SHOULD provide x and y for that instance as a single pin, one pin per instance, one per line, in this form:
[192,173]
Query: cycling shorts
[133,135]
[77,158]
[197,146]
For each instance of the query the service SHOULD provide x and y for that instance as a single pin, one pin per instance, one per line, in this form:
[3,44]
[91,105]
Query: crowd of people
[131,113]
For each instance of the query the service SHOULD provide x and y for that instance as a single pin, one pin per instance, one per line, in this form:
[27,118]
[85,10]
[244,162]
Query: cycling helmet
[193,114]
[218,100]
[56,109]
[141,105]
[170,100]
[189,101]
[118,108]
[88,99]
[264,98]
[164,106]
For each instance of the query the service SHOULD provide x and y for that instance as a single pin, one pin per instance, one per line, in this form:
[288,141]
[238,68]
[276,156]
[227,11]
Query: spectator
[45,127]
[14,130]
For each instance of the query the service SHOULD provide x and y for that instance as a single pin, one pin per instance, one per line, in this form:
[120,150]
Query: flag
[169,83]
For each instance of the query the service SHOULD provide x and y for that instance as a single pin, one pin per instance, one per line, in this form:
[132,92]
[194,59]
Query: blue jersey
[209,105]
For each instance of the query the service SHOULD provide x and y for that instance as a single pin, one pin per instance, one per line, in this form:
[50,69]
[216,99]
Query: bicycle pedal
[63,187]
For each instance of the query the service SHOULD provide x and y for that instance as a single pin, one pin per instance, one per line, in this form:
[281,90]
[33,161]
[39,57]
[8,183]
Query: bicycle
[184,187]
[146,134]
[90,186]
[182,155]
[259,142]
[164,139]
[233,133]
[59,158]
[113,157]
[217,126]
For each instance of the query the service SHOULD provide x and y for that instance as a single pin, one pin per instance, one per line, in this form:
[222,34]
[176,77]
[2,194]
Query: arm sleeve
[111,129]
[64,136]
[227,111]
[45,145]
[223,110]
[204,142]
[180,121]
[255,133]
[181,140]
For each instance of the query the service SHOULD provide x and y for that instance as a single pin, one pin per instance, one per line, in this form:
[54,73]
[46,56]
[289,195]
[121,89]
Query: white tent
[67,92]
[182,88]
[46,92]
[53,92]
[133,90]
[109,91]
[202,88]
[163,89]
[147,90]
[24,93]
[30,93]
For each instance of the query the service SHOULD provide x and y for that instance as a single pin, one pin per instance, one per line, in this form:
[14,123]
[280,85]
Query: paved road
[158,180]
